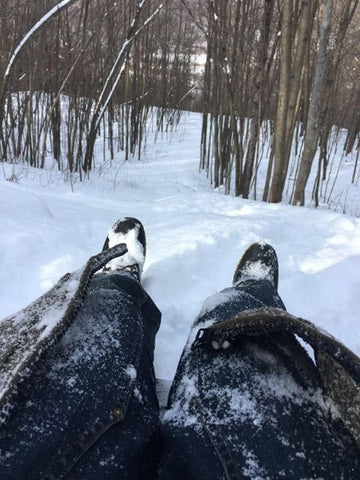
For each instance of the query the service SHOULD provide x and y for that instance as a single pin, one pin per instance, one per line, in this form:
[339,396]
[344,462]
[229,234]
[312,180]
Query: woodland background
[276,81]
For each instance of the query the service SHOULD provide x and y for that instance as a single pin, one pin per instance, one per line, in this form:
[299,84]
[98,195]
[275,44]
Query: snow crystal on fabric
[252,468]
[217,299]
[180,414]
[130,370]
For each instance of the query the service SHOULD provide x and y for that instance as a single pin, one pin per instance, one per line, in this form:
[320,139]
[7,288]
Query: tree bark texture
[312,125]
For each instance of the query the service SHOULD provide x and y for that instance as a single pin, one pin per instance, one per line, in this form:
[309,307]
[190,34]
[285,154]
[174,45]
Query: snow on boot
[130,231]
[259,262]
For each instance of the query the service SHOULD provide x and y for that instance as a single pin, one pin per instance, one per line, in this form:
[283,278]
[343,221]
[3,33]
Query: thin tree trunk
[3,88]
[355,127]
[117,71]
[278,182]
[312,125]
[302,39]
[258,100]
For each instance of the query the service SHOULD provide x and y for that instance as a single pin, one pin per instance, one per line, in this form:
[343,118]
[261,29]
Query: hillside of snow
[195,237]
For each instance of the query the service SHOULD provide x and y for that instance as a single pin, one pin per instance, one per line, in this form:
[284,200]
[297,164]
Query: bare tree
[312,126]
[114,76]
[280,150]
[43,20]
[84,77]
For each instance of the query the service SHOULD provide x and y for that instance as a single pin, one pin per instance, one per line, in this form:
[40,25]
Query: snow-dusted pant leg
[89,410]
[253,410]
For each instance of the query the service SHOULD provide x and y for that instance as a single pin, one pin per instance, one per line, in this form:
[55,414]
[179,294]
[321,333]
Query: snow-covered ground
[195,238]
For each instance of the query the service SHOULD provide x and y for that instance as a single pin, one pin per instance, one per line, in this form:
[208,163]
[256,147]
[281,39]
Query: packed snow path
[195,237]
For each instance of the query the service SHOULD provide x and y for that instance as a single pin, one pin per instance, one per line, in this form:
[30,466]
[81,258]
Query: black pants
[252,410]
[90,411]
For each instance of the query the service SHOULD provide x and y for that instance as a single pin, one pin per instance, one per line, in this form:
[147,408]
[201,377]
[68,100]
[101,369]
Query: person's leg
[254,409]
[89,410]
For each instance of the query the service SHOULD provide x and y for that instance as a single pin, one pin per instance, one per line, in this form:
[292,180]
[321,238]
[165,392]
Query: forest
[276,81]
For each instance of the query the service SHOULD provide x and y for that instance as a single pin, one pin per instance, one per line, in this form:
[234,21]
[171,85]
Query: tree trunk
[354,129]
[258,100]
[278,182]
[312,125]
[302,39]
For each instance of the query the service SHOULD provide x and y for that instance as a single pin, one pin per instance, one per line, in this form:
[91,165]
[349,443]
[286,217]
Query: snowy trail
[195,237]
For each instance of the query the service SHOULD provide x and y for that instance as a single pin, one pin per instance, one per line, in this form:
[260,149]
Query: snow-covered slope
[195,237]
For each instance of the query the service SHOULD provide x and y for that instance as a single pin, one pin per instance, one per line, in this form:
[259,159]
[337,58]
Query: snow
[135,253]
[131,372]
[195,237]
[180,413]
[257,269]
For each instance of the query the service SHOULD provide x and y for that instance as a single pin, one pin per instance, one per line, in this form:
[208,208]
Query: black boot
[130,231]
[259,262]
